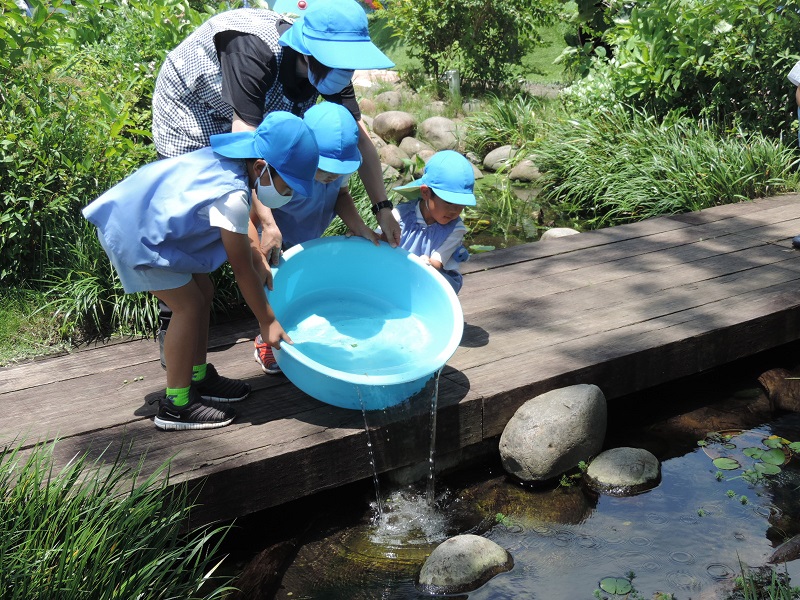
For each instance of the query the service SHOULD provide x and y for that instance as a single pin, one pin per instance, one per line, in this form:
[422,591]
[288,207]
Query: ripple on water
[683,580]
[631,560]
[656,519]
[720,572]
[681,557]
[640,540]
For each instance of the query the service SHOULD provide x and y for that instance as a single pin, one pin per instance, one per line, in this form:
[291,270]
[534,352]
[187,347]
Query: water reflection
[685,537]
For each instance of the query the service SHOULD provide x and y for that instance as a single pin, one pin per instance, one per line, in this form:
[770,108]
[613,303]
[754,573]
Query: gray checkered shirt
[187,100]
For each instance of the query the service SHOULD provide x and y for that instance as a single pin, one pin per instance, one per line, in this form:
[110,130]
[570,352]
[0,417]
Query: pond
[690,536]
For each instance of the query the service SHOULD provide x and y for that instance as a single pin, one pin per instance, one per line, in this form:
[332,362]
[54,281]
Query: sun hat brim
[411,191]
[352,54]
[340,166]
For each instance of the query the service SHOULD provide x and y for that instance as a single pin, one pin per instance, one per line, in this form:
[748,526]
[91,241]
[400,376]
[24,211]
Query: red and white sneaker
[265,357]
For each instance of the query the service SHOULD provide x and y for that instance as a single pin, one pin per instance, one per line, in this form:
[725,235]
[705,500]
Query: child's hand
[426,259]
[274,334]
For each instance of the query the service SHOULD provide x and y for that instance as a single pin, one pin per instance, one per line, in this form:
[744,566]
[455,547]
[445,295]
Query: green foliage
[764,583]
[719,59]
[613,166]
[484,40]
[74,116]
[97,530]
[517,121]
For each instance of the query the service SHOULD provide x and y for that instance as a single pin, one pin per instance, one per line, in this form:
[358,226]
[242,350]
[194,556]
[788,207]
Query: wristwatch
[378,206]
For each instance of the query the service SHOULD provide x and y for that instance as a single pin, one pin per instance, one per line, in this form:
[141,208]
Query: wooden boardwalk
[625,308]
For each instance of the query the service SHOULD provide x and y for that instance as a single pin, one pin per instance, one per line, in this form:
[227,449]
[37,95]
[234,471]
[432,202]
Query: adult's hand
[389,226]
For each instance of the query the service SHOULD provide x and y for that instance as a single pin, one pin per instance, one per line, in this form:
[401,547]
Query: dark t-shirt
[249,70]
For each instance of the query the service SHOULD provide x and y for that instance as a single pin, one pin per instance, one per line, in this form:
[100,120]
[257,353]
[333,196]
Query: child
[307,217]
[174,221]
[431,226]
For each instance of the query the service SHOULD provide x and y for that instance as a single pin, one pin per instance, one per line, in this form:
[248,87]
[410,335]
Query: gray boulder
[623,472]
[551,433]
[557,232]
[524,171]
[411,145]
[462,564]
[391,99]
[498,158]
[440,132]
[393,156]
[394,125]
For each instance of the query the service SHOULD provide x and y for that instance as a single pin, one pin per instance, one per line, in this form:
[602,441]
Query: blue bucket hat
[284,141]
[336,132]
[335,32]
[449,175]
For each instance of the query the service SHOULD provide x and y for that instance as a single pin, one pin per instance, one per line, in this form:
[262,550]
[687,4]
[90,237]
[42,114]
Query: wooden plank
[643,354]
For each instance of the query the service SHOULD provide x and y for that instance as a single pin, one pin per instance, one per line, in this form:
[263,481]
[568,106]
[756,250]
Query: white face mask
[268,195]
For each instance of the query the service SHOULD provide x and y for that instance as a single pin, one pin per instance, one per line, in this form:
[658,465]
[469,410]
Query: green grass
[99,530]
[24,332]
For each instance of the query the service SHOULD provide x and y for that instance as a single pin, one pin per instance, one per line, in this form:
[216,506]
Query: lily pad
[794,446]
[616,585]
[775,456]
[754,453]
[774,442]
[767,469]
[477,248]
[726,464]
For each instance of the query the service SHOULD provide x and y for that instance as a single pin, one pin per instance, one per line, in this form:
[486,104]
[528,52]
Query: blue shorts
[145,279]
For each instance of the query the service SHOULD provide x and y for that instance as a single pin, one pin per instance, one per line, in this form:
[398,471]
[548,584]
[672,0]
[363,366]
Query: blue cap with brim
[284,141]
[449,175]
[335,32]
[336,132]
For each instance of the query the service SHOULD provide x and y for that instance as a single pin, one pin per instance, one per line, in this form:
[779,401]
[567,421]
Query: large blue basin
[371,325]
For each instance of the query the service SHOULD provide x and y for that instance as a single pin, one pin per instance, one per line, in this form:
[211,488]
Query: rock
[376,140]
[553,432]
[471,106]
[390,174]
[557,232]
[782,389]
[391,99]
[438,107]
[473,158]
[477,172]
[367,105]
[462,564]
[411,145]
[786,552]
[394,125]
[525,171]
[440,132]
[498,158]
[623,472]
[393,156]
[367,121]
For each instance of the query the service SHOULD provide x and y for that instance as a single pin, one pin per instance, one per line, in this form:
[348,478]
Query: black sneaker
[195,415]
[221,389]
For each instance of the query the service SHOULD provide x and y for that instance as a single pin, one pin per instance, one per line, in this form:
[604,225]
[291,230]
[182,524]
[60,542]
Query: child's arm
[260,261]
[346,209]
[237,247]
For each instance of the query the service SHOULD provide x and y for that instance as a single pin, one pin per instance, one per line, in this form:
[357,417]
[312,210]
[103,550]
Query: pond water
[689,537]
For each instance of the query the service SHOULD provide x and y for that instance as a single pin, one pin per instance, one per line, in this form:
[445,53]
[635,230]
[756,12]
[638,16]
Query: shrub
[484,39]
[717,59]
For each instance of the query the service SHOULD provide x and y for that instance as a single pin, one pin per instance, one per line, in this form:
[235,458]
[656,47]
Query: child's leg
[206,289]
[188,329]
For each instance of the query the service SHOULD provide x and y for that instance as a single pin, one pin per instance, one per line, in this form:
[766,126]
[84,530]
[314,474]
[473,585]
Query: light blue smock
[302,219]
[423,240]
[158,216]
